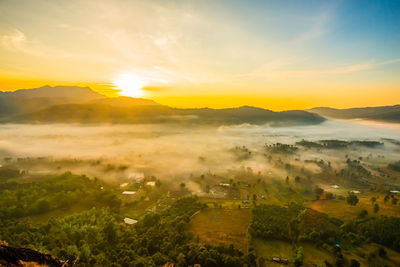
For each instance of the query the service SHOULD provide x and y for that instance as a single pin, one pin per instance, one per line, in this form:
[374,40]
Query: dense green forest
[98,237]
[20,198]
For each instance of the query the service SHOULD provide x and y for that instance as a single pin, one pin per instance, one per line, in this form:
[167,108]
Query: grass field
[314,256]
[283,249]
[361,255]
[342,210]
[222,226]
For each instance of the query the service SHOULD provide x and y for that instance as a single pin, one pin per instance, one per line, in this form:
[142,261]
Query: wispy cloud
[14,40]
[317,27]
[338,70]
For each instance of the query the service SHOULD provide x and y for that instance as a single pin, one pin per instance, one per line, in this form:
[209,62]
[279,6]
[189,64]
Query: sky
[273,54]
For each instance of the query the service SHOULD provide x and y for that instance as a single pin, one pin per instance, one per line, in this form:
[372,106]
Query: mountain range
[383,113]
[67,104]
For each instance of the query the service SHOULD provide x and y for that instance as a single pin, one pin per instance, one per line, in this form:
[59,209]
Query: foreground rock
[10,256]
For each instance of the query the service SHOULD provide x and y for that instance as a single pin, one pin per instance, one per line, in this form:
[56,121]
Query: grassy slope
[342,210]
[282,249]
[228,227]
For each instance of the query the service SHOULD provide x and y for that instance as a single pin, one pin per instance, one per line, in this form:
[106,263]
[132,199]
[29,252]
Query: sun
[130,85]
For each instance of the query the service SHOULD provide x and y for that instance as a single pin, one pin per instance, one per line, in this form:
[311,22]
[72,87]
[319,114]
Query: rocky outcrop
[10,256]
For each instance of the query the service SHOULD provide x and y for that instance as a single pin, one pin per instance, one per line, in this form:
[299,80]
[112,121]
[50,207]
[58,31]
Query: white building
[130,221]
[129,192]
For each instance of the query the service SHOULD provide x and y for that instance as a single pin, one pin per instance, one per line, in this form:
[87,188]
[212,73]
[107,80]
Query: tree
[181,259]
[363,214]
[382,252]
[207,188]
[386,199]
[110,232]
[182,186]
[318,191]
[251,258]
[328,195]
[261,262]
[298,261]
[354,263]
[376,208]
[352,199]
[42,206]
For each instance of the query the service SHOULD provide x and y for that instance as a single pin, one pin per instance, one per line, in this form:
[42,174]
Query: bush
[354,263]
[382,252]
[362,214]
[352,199]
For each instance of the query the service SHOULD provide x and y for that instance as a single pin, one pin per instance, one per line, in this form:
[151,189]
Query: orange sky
[207,54]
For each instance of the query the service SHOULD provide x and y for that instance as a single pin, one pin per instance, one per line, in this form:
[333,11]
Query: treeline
[99,237]
[381,229]
[338,144]
[295,223]
[280,148]
[395,166]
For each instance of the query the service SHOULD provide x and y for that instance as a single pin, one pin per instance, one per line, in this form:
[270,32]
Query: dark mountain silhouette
[84,93]
[100,113]
[383,113]
[29,100]
[82,105]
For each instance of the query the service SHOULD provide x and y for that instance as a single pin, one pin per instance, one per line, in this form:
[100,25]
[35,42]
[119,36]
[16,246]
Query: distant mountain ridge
[30,100]
[124,101]
[100,113]
[382,113]
[67,104]
[54,92]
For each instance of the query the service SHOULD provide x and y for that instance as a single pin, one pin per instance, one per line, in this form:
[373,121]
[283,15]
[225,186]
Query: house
[246,201]
[279,260]
[130,221]
[395,191]
[136,175]
[129,192]
[152,183]
[355,192]
[335,186]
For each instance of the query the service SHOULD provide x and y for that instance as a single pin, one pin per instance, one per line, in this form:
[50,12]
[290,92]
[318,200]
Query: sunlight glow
[130,85]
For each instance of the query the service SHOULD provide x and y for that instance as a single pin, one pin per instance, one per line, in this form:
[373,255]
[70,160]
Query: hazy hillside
[81,104]
[124,101]
[102,113]
[384,113]
[84,93]
[29,100]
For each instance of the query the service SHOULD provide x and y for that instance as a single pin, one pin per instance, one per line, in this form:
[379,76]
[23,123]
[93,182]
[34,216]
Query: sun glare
[130,85]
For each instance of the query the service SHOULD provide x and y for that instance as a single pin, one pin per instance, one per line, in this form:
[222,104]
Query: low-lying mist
[175,152]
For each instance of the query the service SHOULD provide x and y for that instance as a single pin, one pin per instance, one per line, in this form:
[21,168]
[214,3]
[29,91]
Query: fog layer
[173,150]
